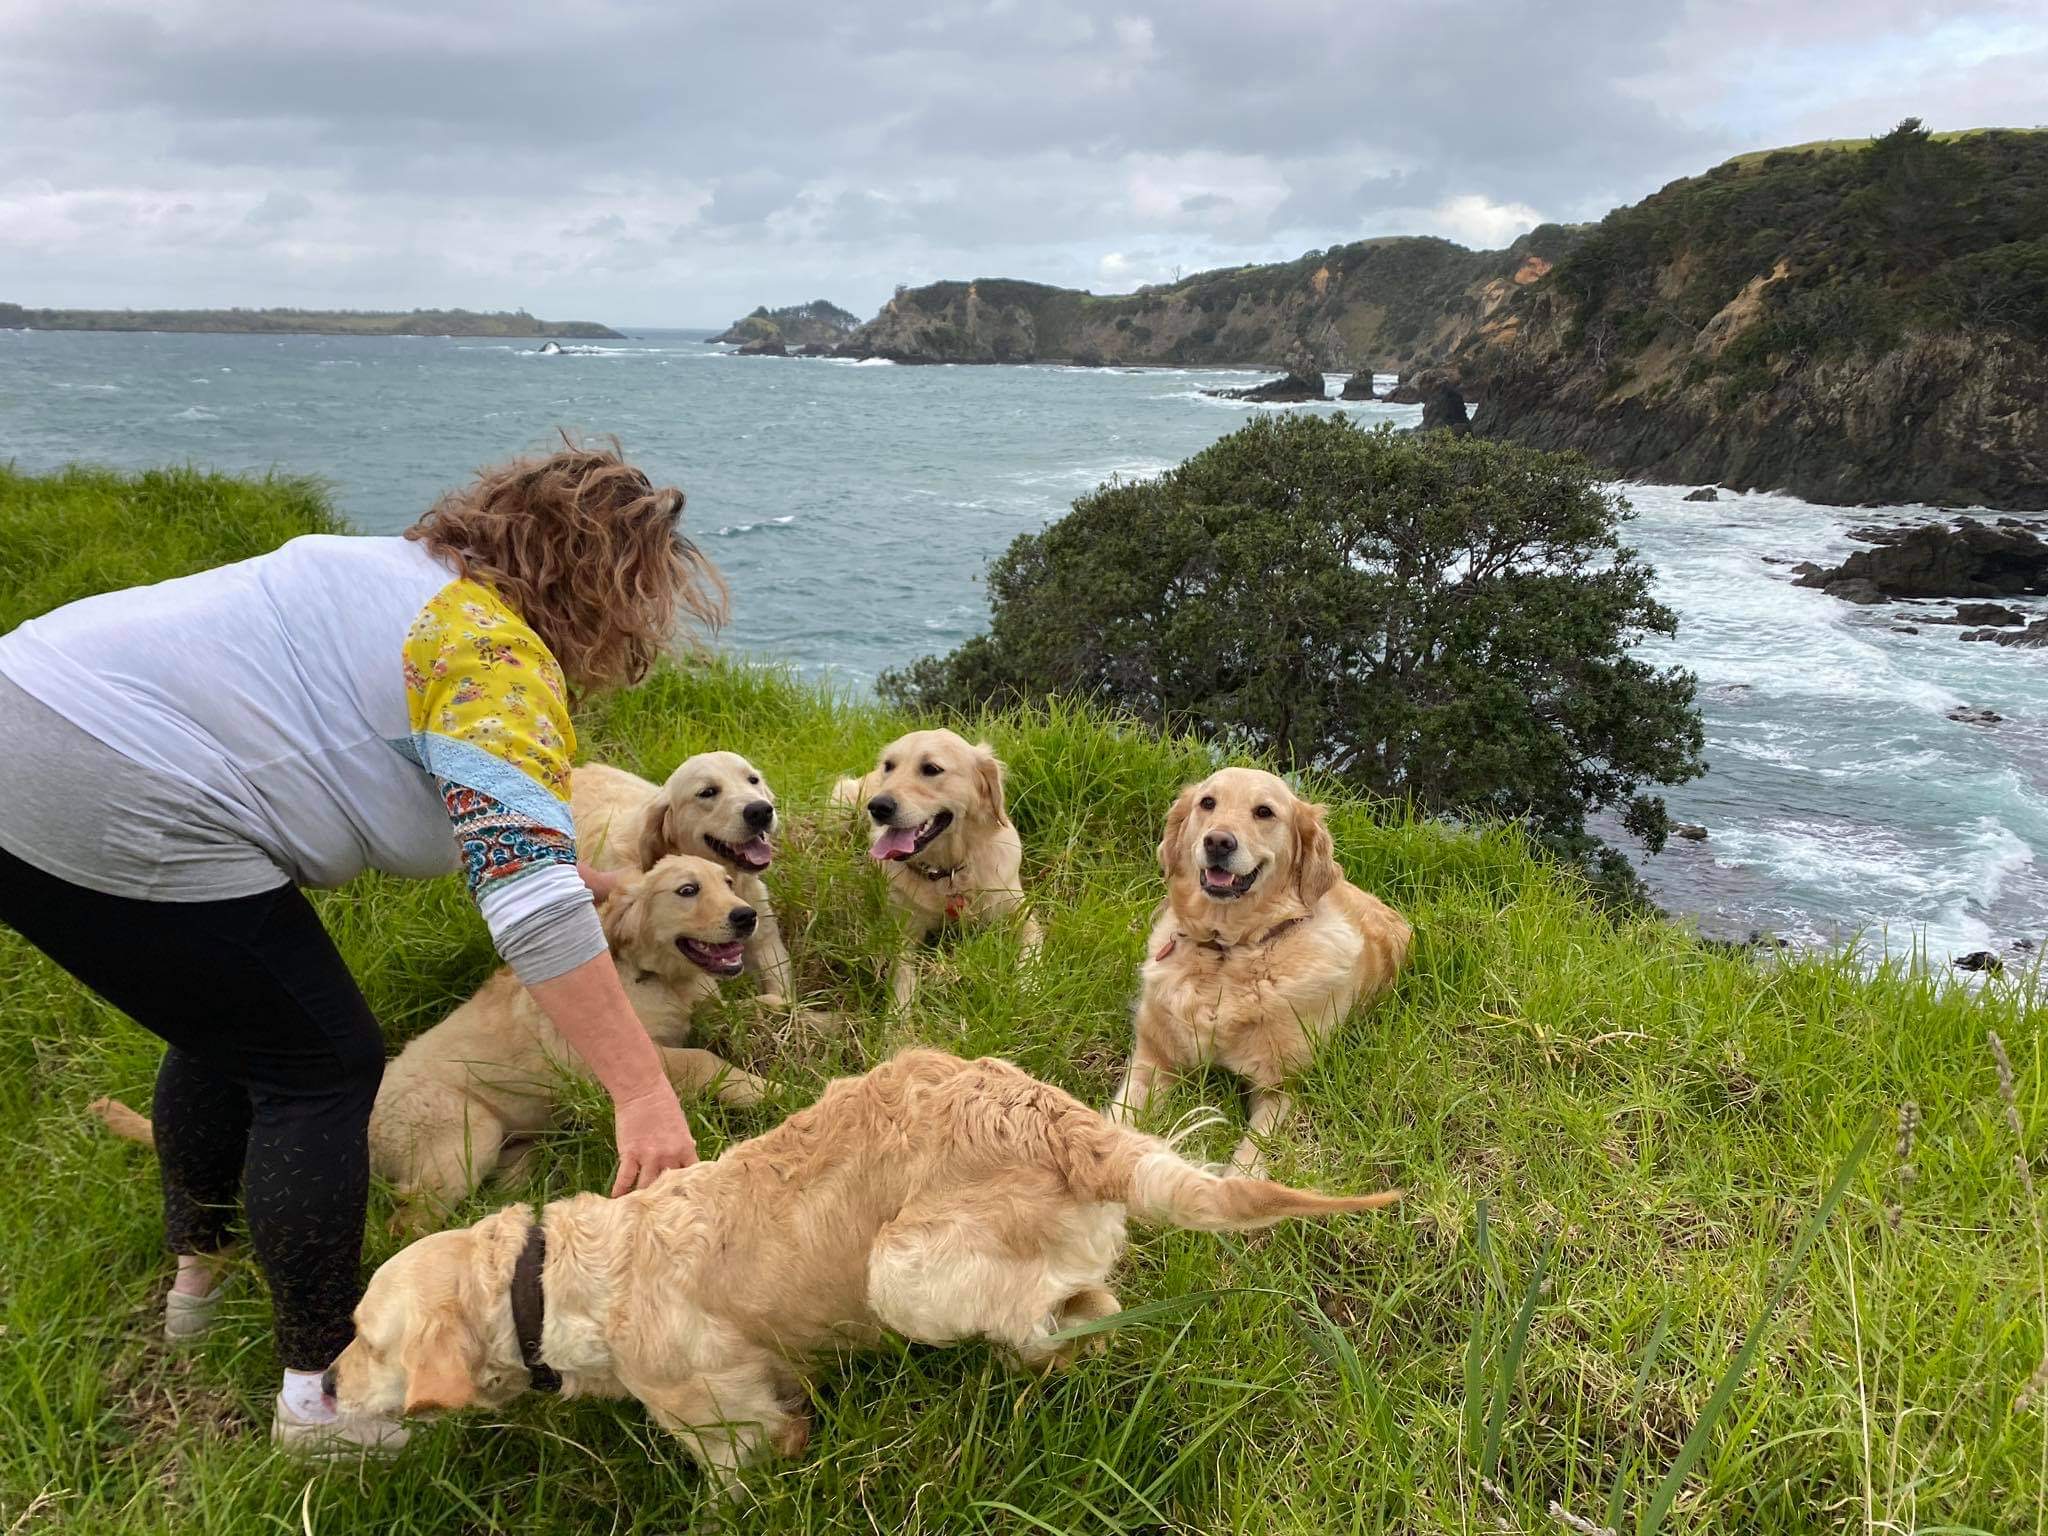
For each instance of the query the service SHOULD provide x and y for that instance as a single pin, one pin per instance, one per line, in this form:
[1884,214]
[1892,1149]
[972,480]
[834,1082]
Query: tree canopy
[1447,620]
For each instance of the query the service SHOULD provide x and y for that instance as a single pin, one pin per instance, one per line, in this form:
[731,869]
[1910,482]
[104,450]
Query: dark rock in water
[1804,569]
[1416,388]
[1979,960]
[767,346]
[2024,946]
[1905,629]
[1969,560]
[1704,493]
[1996,614]
[1302,381]
[1854,591]
[1358,387]
[2033,637]
[1444,410]
[1962,714]
[1691,831]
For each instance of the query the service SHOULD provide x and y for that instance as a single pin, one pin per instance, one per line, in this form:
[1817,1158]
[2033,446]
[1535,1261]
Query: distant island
[1852,321]
[819,323]
[313,322]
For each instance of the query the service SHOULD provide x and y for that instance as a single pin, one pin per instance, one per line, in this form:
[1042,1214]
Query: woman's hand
[589,1007]
[653,1138]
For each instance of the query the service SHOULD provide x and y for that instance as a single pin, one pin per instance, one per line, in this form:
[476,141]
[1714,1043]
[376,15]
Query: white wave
[195,413]
[92,389]
[730,530]
[852,362]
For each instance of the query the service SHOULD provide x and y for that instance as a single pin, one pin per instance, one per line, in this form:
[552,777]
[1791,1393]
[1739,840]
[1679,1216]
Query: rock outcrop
[1358,387]
[1444,411]
[1303,381]
[2034,636]
[1970,559]
[1704,493]
[1769,325]
[819,323]
[1389,305]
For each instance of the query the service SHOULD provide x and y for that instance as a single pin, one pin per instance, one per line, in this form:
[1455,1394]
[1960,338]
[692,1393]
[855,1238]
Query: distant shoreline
[305,322]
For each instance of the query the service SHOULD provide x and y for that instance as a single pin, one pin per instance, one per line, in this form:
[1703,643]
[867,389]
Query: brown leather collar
[1222,948]
[530,1309]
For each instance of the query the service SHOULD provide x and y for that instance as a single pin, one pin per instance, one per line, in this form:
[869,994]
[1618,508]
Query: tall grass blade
[1724,1390]
[1510,1363]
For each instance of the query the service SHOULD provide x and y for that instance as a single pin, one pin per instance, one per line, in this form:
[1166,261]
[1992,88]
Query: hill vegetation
[1650,1272]
[819,323]
[319,322]
[1862,323]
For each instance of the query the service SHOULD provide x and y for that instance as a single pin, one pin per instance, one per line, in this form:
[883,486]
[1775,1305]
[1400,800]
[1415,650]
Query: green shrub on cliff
[1445,620]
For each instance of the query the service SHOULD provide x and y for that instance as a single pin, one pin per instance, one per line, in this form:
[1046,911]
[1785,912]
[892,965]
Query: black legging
[266,1089]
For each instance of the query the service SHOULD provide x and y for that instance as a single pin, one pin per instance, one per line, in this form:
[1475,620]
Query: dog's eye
[730,886]
[753,778]
[1263,812]
[1207,802]
[708,792]
[687,890]
[931,770]
[887,766]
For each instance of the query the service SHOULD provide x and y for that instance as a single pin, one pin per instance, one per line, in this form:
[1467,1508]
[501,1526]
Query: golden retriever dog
[1259,951]
[937,1198]
[942,834]
[460,1100]
[716,805]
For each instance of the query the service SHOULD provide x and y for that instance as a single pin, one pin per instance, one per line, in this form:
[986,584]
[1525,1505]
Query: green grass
[1651,1129]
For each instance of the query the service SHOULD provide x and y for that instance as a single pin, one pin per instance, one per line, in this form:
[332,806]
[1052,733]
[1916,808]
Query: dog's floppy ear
[988,779]
[440,1361]
[654,836]
[624,915]
[1171,852]
[1315,856]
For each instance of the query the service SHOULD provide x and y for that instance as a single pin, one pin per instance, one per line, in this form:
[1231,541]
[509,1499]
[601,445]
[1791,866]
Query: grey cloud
[836,148]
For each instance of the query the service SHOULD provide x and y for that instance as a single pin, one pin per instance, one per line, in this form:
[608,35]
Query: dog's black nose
[760,815]
[327,1381]
[1218,845]
[883,809]
[743,919]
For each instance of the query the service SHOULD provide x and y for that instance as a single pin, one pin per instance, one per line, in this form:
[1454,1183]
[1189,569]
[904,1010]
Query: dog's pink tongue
[726,953]
[757,852]
[894,843]
[1217,877]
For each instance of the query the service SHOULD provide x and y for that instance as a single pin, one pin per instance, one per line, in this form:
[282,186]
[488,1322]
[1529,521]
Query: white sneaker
[336,1439]
[187,1317]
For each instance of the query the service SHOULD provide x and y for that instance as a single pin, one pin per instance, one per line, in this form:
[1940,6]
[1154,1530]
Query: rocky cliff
[819,323]
[1377,304]
[1861,324]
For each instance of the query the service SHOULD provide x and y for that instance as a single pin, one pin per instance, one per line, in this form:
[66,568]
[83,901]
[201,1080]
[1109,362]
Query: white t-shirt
[338,703]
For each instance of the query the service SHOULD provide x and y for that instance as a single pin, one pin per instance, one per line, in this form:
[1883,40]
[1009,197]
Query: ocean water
[854,506]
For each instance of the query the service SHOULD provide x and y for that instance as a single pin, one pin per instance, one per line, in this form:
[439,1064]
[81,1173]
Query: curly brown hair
[588,550]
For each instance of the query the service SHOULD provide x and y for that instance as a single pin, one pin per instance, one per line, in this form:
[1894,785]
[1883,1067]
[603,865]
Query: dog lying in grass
[939,1198]
[1259,951]
[942,834]
[717,806]
[460,1101]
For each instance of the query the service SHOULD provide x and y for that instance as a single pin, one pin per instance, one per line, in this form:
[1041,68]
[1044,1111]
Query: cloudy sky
[677,162]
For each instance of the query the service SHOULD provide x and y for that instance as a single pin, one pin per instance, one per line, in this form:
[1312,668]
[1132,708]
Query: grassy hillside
[326,322]
[1659,1119]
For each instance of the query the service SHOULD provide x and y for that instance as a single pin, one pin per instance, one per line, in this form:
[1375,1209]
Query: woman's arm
[588,1006]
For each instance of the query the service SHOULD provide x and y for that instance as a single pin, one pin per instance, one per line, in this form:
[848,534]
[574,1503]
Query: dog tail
[124,1122]
[1166,1190]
